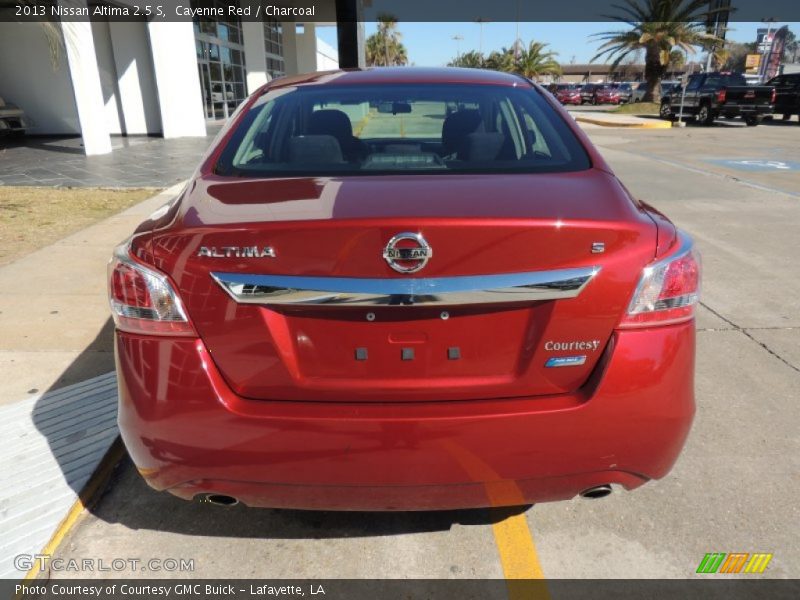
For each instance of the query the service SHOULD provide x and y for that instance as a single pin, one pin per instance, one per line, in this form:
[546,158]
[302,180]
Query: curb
[645,125]
[88,496]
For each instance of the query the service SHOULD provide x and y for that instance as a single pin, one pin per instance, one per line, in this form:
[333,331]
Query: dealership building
[103,76]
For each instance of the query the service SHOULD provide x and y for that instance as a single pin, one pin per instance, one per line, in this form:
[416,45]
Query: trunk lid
[477,226]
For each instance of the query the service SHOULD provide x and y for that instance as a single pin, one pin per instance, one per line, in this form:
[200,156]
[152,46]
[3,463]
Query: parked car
[624,90]
[12,119]
[787,95]
[641,89]
[396,319]
[607,94]
[588,92]
[720,94]
[569,94]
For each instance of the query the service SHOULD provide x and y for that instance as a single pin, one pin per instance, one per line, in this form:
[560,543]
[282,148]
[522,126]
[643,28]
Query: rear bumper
[188,433]
[745,110]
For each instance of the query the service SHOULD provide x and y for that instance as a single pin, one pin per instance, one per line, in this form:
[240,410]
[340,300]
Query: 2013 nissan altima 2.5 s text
[403,289]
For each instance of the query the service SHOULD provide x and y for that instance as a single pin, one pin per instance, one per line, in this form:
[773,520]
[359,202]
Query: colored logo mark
[735,562]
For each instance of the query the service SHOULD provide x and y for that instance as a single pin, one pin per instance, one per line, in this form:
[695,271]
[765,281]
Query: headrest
[481,147]
[457,125]
[315,149]
[330,122]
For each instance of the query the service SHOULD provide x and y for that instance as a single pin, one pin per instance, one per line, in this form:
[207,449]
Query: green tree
[384,48]
[472,59]
[501,60]
[735,56]
[792,47]
[676,60]
[657,27]
[535,61]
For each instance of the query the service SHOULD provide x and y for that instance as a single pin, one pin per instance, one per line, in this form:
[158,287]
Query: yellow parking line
[512,535]
[359,128]
[517,550]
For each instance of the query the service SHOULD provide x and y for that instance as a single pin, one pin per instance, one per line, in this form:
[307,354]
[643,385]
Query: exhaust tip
[599,491]
[220,500]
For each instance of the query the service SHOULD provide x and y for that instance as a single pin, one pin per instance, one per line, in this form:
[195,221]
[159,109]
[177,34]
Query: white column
[137,91]
[180,99]
[82,60]
[300,49]
[255,61]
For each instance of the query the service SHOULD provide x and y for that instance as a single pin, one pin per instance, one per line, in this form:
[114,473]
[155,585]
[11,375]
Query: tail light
[668,290]
[142,299]
[722,95]
[773,96]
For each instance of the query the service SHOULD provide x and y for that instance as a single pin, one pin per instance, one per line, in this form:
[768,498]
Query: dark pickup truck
[787,91]
[712,95]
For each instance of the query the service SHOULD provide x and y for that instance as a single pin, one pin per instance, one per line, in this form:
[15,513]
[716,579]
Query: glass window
[351,130]
[694,82]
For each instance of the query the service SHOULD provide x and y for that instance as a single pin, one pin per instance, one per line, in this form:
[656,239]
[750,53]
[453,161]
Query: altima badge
[407,252]
[237,252]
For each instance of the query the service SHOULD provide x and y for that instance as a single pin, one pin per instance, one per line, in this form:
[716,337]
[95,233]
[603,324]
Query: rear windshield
[399,128]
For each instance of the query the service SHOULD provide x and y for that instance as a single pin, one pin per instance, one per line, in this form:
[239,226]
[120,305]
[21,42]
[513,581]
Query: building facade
[108,77]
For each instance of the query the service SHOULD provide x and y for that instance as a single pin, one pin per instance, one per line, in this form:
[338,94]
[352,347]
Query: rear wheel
[787,116]
[665,112]
[705,116]
[752,121]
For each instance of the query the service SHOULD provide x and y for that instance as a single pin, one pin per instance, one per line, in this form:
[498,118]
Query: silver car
[12,118]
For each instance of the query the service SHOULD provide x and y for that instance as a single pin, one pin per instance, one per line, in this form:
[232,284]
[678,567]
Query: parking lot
[737,191]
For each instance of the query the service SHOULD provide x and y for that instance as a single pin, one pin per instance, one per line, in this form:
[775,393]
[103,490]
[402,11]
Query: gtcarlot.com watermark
[44,562]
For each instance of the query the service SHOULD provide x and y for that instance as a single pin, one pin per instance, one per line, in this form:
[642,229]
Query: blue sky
[431,44]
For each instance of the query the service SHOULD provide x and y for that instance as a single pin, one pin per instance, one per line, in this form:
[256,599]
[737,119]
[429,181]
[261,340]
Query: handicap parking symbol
[757,164]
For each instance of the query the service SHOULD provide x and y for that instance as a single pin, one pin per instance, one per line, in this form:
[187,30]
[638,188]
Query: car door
[691,101]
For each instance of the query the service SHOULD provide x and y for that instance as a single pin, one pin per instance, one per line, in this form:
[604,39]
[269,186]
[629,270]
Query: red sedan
[569,95]
[607,95]
[401,289]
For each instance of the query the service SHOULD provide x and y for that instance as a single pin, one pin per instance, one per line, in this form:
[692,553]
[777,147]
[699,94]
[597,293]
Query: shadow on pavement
[77,414]
[129,501]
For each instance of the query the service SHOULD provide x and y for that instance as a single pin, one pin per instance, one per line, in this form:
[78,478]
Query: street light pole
[480,21]
[458,39]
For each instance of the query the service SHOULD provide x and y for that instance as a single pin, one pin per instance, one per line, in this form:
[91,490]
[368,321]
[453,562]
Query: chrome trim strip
[288,290]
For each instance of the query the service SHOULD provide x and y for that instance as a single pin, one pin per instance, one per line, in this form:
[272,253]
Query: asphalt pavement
[734,489]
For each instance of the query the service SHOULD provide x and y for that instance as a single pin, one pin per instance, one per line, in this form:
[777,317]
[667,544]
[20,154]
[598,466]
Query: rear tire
[786,116]
[665,112]
[753,121]
[705,116]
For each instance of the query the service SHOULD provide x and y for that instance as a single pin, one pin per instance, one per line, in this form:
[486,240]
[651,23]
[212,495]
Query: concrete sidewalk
[606,119]
[58,394]
[54,315]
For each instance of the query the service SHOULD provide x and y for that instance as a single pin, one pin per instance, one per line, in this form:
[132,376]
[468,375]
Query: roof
[375,75]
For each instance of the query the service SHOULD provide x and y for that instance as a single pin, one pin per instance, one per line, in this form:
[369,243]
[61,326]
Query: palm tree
[501,60]
[472,59]
[535,61]
[51,30]
[384,48]
[658,27]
